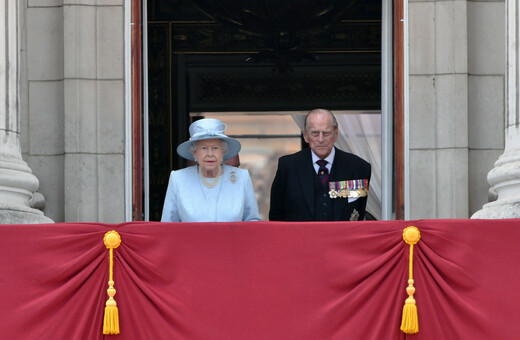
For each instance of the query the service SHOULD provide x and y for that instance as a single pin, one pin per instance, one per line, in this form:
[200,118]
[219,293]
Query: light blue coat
[188,200]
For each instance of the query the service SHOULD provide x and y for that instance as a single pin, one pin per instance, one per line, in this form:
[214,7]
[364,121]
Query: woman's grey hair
[193,146]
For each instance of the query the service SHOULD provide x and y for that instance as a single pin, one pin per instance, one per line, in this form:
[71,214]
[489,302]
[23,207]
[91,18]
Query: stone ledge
[499,210]
[20,215]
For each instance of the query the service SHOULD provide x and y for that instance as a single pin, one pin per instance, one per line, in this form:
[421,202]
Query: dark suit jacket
[292,192]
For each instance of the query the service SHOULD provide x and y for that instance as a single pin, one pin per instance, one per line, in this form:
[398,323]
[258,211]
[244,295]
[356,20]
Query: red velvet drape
[261,280]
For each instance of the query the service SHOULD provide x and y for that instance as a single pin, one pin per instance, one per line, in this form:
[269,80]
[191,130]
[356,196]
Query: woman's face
[209,154]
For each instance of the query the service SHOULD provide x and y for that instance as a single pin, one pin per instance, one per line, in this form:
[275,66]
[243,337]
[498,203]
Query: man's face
[320,133]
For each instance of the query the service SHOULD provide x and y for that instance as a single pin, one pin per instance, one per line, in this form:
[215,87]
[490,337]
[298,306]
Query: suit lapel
[339,172]
[340,169]
[306,180]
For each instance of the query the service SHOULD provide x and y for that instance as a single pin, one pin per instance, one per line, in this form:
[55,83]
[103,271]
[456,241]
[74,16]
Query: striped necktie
[323,172]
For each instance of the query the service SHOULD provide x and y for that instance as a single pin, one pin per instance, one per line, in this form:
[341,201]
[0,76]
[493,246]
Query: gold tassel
[112,240]
[410,320]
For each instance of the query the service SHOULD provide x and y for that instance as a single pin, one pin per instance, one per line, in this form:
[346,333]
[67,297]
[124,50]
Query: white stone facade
[71,100]
[19,200]
[457,54]
[504,178]
[73,130]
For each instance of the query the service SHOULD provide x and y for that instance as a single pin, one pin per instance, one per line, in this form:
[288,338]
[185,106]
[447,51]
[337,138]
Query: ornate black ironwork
[284,27]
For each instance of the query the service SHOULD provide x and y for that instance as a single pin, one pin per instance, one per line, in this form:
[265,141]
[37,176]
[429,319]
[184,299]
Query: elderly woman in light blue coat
[209,191]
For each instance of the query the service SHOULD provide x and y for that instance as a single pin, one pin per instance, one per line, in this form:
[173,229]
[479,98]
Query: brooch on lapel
[348,189]
[233,177]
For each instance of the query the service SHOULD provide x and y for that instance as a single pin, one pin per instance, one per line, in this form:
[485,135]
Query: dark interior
[250,55]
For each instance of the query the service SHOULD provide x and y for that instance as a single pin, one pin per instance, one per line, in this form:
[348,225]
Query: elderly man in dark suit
[320,183]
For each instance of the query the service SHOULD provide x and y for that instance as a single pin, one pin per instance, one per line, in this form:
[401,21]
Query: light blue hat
[208,128]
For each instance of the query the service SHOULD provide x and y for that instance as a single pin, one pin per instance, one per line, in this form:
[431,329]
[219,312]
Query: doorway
[198,65]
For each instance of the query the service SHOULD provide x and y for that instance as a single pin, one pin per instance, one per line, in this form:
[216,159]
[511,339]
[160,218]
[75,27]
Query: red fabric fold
[261,280]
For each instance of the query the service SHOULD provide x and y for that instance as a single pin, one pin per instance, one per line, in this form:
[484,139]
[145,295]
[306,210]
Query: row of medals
[362,192]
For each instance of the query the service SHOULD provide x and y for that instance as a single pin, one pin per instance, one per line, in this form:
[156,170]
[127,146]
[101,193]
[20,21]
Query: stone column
[504,178]
[18,186]
[438,109]
[94,110]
